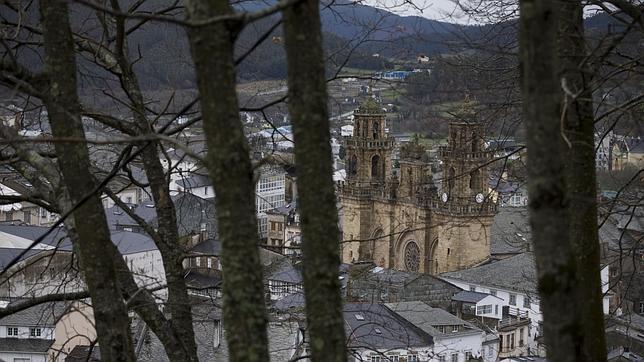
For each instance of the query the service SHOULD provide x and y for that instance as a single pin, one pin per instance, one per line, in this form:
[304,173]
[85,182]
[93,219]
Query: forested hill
[357,30]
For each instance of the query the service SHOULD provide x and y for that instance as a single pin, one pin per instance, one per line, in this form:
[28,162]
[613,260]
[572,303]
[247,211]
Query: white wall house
[44,332]
[454,339]
[270,193]
[513,282]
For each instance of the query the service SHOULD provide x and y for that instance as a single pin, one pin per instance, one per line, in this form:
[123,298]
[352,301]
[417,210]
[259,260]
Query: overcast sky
[443,10]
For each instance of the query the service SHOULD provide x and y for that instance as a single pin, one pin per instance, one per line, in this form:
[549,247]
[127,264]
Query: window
[526,302]
[205,192]
[490,351]
[209,263]
[394,358]
[468,356]
[641,307]
[496,309]
[484,309]
[472,288]
[512,341]
[441,358]
[441,329]
[414,358]
[35,332]
[8,216]
[454,357]
[513,299]
[454,329]
[12,331]
[27,217]
[375,358]
[521,337]
[129,199]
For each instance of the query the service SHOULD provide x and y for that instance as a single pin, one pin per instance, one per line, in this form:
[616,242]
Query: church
[399,218]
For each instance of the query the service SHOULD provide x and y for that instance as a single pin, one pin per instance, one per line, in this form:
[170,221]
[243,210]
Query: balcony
[447,152]
[369,143]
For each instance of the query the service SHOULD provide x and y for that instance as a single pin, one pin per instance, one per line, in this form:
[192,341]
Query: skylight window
[359,317]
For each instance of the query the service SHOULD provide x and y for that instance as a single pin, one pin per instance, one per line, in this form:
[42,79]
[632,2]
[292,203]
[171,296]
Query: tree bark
[549,218]
[178,304]
[581,182]
[317,203]
[229,165]
[110,312]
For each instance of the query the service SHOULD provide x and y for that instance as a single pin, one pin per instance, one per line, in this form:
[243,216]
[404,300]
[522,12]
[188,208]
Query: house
[514,281]
[375,284]
[25,213]
[376,334]
[284,336]
[270,192]
[45,332]
[197,185]
[284,231]
[454,339]
[478,304]
[625,337]
[508,192]
[286,279]
[194,215]
[46,268]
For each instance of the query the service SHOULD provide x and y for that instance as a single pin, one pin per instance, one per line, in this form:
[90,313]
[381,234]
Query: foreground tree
[94,243]
[229,165]
[561,178]
[310,119]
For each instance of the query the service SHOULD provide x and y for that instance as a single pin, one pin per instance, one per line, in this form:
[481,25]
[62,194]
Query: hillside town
[435,267]
[315,180]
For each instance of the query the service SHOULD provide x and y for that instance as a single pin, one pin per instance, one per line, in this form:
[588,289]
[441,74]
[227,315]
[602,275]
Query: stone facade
[398,218]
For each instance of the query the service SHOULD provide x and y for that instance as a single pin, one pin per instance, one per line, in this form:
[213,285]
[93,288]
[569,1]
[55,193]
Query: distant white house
[454,339]
[45,332]
[512,280]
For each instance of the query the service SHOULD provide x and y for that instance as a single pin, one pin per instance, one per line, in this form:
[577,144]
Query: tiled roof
[514,273]
[374,326]
[33,345]
[469,297]
[45,314]
[510,231]
[428,319]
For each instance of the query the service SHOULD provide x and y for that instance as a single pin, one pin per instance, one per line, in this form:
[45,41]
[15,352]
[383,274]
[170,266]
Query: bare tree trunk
[549,218]
[317,203]
[110,313]
[178,304]
[229,165]
[576,75]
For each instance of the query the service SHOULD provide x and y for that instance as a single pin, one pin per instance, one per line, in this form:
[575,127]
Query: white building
[45,332]
[270,193]
[45,268]
[514,282]
[454,339]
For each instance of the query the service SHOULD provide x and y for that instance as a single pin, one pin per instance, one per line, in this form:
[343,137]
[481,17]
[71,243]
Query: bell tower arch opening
[353,165]
[375,167]
[376,130]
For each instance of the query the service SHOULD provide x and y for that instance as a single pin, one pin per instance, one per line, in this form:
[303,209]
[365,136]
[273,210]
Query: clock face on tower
[479,198]
[444,197]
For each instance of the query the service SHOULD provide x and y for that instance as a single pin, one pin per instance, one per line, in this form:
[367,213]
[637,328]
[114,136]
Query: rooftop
[33,345]
[469,297]
[428,319]
[45,314]
[514,273]
[374,326]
